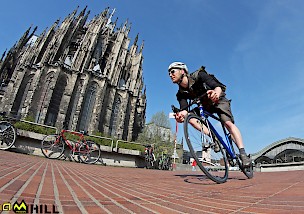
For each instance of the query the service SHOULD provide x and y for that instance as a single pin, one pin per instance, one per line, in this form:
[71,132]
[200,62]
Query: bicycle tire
[248,171]
[214,163]
[89,152]
[52,146]
[7,135]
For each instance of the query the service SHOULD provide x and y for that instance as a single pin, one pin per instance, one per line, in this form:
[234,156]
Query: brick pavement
[69,187]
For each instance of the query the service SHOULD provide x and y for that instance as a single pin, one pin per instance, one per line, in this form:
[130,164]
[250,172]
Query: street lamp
[171,116]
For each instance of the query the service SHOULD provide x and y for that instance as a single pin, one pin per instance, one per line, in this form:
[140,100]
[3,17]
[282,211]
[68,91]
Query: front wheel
[89,152]
[207,151]
[7,135]
[52,146]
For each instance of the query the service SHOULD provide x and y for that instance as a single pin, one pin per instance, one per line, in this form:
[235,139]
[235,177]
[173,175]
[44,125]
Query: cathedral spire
[33,32]
[115,23]
[125,25]
[55,24]
[75,11]
[82,17]
[142,46]
[25,35]
[136,39]
[3,55]
[83,11]
[110,18]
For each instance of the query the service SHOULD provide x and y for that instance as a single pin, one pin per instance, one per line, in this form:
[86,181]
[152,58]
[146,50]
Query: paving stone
[72,188]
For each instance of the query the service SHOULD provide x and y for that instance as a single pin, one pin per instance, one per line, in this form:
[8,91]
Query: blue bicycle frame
[228,146]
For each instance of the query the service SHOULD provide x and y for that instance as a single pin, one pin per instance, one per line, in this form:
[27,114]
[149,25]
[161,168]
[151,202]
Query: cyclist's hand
[215,94]
[180,116]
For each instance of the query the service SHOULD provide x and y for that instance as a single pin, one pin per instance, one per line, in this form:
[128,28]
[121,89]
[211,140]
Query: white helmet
[179,65]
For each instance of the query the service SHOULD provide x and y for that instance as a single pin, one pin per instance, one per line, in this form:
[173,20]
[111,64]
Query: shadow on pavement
[203,179]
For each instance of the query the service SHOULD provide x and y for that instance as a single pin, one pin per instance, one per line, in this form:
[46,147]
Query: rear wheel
[89,152]
[211,158]
[52,146]
[7,135]
[248,171]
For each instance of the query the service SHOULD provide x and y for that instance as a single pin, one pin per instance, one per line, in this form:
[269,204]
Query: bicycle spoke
[7,135]
[52,146]
[89,152]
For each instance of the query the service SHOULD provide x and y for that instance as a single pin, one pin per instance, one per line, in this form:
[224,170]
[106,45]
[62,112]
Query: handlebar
[194,101]
[65,126]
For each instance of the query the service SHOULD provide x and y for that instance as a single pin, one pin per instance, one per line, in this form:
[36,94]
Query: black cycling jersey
[196,88]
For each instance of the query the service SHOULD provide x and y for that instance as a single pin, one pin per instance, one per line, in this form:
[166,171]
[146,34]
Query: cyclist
[149,153]
[215,102]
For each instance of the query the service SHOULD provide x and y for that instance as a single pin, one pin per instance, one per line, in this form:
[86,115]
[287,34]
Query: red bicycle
[82,150]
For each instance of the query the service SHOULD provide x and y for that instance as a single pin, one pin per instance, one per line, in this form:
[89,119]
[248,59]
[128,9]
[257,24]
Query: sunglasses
[172,71]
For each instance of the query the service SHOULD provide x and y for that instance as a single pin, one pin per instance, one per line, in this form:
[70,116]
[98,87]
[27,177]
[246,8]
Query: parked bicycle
[164,162]
[8,133]
[212,153]
[81,150]
[149,157]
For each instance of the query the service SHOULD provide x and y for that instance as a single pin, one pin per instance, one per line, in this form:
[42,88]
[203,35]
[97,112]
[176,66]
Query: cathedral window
[21,95]
[46,90]
[114,116]
[88,107]
[55,101]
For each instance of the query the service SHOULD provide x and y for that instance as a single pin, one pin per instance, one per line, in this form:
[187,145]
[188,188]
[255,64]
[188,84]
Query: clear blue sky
[255,47]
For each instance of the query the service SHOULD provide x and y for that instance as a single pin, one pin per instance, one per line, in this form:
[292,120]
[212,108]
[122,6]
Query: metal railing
[123,141]
[38,124]
[96,136]
[106,138]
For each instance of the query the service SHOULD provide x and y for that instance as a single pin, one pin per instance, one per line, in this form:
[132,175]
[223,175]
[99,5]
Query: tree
[161,119]
[158,132]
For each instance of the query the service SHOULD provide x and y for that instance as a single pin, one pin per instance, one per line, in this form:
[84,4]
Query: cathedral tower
[85,74]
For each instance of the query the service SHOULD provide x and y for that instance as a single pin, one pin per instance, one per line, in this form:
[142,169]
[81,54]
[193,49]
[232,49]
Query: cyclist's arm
[214,89]
[215,94]
[180,116]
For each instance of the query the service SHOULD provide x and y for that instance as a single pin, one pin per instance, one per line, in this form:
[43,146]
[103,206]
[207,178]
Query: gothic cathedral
[84,74]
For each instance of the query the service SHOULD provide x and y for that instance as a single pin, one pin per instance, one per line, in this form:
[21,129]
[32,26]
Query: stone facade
[82,73]
[165,133]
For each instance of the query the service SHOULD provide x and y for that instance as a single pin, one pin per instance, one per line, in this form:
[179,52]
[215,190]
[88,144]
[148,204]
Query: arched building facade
[289,150]
[84,74]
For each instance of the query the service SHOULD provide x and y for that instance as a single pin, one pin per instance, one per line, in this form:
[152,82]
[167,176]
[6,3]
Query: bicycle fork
[206,138]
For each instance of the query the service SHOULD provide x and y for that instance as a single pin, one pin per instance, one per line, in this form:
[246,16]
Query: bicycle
[8,133]
[149,157]
[217,154]
[164,163]
[53,147]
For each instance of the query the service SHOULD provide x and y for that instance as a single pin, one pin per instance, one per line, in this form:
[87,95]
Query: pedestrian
[193,165]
